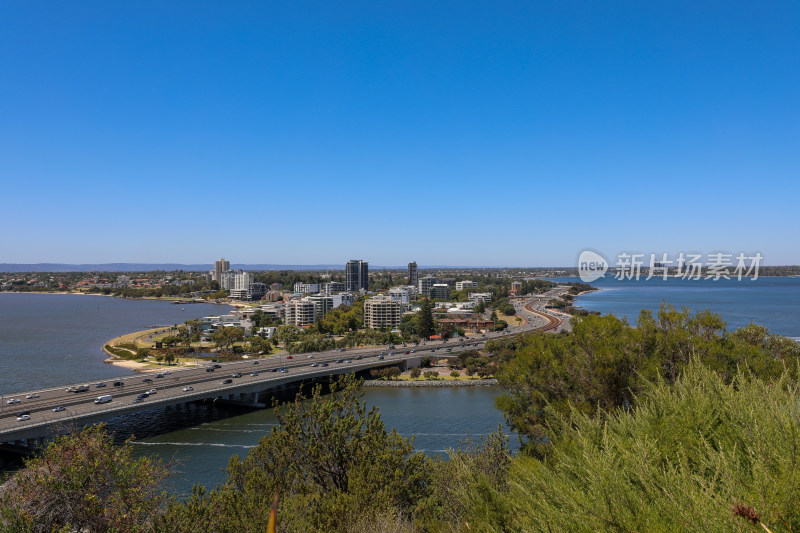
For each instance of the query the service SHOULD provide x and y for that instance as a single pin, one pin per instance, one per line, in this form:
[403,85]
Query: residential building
[356,275]
[226,279]
[272,296]
[300,312]
[242,280]
[306,288]
[333,286]
[516,286]
[461,285]
[256,291]
[413,275]
[440,291]
[403,295]
[343,298]
[322,303]
[426,284]
[381,311]
[480,297]
[220,266]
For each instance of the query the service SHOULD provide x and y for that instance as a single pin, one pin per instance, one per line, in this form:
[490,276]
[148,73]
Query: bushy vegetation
[675,425]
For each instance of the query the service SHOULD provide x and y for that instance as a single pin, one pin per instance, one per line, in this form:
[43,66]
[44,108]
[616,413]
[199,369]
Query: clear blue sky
[468,133]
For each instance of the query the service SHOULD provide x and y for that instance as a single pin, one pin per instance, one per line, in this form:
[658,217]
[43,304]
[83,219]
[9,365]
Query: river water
[773,302]
[39,331]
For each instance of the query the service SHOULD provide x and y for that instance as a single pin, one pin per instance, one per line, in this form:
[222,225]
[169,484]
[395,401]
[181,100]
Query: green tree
[83,482]
[415,373]
[426,326]
[330,459]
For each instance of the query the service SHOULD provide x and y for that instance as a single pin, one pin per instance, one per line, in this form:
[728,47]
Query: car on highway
[119,383]
[380,357]
[59,409]
[289,357]
[12,401]
[227,381]
[32,396]
[255,362]
[217,366]
[283,371]
[23,418]
[359,357]
[315,365]
[167,372]
[311,356]
[152,391]
[188,388]
[143,395]
[253,374]
[159,376]
[209,369]
[147,380]
[340,360]
[236,375]
[99,385]
[21,413]
[408,353]
[324,364]
[348,361]
[274,370]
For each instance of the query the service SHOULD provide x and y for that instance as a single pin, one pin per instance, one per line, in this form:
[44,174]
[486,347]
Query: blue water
[39,331]
[773,302]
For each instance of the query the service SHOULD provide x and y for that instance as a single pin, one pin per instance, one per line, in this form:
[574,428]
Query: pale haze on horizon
[447,134]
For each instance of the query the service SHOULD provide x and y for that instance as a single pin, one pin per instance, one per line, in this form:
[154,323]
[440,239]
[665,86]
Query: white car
[59,409]
[12,401]
[32,395]
[187,389]
[151,391]
[23,418]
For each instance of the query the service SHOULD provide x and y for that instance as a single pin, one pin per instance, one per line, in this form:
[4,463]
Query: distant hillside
[169,267]
[147,267]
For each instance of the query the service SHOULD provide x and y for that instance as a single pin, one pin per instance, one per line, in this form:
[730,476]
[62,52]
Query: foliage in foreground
[83,482]
[605,364]
[331,461]
[682,460]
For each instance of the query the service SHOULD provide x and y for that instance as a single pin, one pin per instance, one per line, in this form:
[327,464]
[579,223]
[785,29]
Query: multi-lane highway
[22,413]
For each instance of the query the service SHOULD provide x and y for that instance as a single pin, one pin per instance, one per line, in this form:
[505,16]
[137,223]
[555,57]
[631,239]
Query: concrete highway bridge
[250,382]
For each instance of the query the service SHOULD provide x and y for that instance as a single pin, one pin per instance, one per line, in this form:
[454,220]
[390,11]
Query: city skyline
[514,135]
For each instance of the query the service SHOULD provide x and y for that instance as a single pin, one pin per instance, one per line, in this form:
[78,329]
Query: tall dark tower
[413,275]
[356,275]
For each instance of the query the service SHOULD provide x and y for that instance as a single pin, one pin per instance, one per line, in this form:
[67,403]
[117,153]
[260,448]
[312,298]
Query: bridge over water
[249,383]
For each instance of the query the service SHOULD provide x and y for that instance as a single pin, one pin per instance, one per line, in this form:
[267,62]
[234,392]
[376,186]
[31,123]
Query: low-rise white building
[480,297]
[306,288]
[466,284]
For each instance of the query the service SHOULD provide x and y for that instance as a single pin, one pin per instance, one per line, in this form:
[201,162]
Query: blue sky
[462,133]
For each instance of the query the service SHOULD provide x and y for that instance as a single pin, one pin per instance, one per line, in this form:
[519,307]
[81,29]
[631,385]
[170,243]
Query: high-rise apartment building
[426,284]
[356,275]
[220,267]
[413,275]
[382,311]
[300,312]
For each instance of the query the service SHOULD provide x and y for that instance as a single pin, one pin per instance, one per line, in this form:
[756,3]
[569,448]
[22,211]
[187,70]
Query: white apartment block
[461,285]
[403,295]
[300,312]
[382,311]
[426,284]
[343,298]
[306,288]
[480,297]
[322,303]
